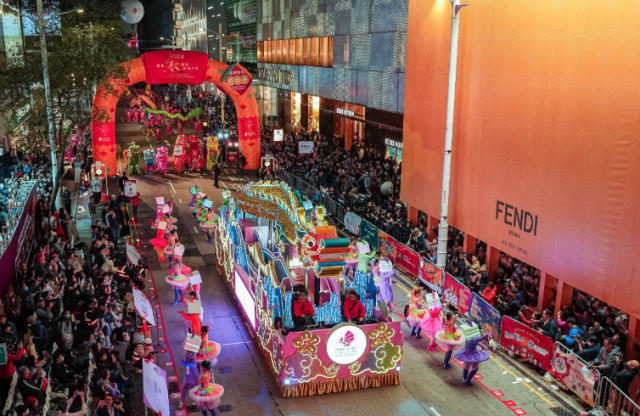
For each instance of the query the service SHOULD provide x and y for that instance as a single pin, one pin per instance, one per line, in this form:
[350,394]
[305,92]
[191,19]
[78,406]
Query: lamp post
[443,230]
[173,41]
[220,38]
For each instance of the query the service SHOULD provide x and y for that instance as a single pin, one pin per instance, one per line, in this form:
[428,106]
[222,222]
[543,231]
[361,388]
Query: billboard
[548,156]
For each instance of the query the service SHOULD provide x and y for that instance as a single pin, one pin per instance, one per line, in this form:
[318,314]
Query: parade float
[267,246]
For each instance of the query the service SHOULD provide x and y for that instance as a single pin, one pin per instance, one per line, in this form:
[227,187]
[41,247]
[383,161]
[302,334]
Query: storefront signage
[305,147]
[346,344]
[278,135]
[393,143]
[345,112]
[523,220]
[278,76]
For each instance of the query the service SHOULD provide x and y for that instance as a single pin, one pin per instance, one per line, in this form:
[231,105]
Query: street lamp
[173,41]
[221,37]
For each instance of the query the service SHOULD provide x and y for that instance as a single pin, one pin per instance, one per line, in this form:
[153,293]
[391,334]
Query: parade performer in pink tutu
[209,350]
[207,395]
[416,311]
[431,322]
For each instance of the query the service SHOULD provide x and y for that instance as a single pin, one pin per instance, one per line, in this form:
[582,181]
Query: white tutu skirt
[445,343]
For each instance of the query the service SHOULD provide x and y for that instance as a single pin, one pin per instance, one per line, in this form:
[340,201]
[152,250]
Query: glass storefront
[296,100]
[314,113]
[347,122]
[267,98]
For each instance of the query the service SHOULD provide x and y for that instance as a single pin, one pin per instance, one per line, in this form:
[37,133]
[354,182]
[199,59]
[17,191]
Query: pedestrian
[216,172]
[242,161]
[77,170]
[96,188]
[134,204]
[66,198]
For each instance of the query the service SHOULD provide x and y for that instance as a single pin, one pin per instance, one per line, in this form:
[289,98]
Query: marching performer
[207,395]
[431,321]
[449,338]
[472,356]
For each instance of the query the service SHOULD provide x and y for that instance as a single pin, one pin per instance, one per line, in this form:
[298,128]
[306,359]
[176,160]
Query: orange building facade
[546,137]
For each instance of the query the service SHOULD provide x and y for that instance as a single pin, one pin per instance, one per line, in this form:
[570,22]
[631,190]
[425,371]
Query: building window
[307,52]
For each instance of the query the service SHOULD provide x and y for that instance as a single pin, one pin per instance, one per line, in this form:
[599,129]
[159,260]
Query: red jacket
[306,309]
[489,294]
[8,369]
[134,200]
[353,309]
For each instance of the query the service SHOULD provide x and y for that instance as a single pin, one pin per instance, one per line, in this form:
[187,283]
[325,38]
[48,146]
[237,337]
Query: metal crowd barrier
[611,401]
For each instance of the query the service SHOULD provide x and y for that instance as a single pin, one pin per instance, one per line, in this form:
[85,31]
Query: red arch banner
[177,67]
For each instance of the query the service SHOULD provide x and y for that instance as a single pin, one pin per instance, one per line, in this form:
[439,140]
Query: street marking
[402,287]
[435,412]
[174,189]
[524,383]
[180,200]
[194,229]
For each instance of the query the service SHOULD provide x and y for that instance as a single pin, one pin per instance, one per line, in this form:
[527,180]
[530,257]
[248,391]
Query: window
[306,51]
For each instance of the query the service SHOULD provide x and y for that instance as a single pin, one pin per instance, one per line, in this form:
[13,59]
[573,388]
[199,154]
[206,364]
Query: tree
[81,52]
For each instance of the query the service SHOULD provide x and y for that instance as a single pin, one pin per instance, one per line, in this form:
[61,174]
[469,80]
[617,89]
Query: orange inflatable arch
[177,67]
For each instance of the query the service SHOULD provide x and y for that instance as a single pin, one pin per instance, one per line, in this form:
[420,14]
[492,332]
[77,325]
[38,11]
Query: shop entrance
[348,120]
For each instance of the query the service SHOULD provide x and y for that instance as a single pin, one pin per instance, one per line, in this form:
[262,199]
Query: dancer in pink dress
[431,323]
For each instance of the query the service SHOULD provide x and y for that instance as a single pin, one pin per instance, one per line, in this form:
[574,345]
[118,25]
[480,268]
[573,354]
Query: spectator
[489,293]
[353,309]
[592,349]
[110,408]
[606,358]
[548,324]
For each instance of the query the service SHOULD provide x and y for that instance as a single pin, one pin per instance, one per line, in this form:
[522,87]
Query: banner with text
[155,387]
[485,315]
[408,260]
[305,147]
[456,294]
[175,67]
[143,306]
[431,276]
[132,254]
[527,343]
[388,246]
[574,374]
[369,233]
[352,222]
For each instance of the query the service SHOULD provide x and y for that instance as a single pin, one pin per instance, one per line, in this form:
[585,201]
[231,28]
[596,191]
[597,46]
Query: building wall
[547,120]
[369,47]
[156,23]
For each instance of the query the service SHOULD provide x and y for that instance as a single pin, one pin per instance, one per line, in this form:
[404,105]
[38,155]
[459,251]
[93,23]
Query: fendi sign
[278,76]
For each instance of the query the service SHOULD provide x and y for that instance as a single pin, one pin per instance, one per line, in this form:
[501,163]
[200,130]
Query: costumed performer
[162,160]
[431,321]
[352,259]
[159,242]
[382,272]
[179,268]
[193,324]
[180,156]
[171,245]
[178,282]
[209,350]
[472,356]
[207,395]
[365,254]
[209,224]
[149,160]
[416,311]
[194,194]
[449,338]
[191,376]
[212,151]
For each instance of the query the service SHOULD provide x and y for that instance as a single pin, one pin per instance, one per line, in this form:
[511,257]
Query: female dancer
[416,311]
[209,350]
[207,394]
[209,224]
[431,322]
[472,357]
[449,338]
[190,379]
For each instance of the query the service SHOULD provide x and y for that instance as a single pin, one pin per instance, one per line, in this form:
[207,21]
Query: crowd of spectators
[68,322]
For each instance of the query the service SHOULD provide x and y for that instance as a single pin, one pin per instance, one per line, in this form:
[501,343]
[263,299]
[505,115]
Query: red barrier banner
[175,67]
[388,246]
[527,343]
[431,275]
[408,260]
[574,374]
[21,243]
[457,294]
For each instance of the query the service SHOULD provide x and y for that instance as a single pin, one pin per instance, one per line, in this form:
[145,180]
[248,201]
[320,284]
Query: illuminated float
[267,243]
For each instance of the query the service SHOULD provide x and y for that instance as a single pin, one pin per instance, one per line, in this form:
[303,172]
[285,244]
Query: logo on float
[347,339]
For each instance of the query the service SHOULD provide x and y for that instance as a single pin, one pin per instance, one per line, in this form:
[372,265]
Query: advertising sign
[408,259]
[352,222]
[175,67]
[346,344]
[238,78]
[369,233]
[143,306]
[132,254]
[155,387]
[305,147]
[388,245]
[457,294]
[431,275]
[574,374]
[130,189]
[526,343]
[278,135]
[485,315]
